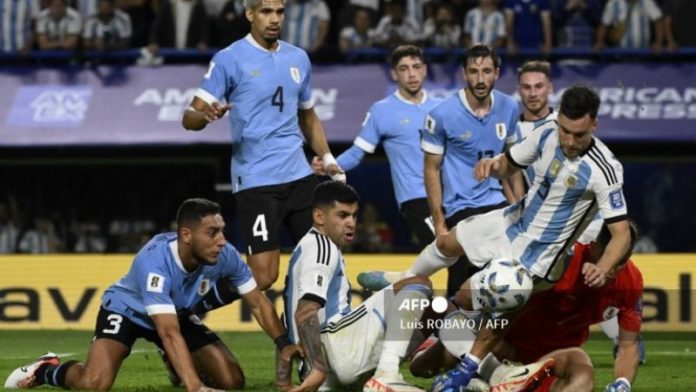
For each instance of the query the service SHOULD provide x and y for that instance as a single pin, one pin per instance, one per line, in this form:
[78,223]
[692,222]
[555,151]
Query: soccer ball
[504,285]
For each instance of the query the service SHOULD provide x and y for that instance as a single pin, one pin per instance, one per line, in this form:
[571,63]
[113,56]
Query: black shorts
[416,212]
[115,326]
[263,209]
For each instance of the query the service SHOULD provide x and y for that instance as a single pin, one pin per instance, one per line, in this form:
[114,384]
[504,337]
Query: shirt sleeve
[305,100]
[369,136]
[512,135]
[433,135]
[350,158]
[237,271]
[607,187]
[216,82]
[319,259]
[527,151]
[156,286]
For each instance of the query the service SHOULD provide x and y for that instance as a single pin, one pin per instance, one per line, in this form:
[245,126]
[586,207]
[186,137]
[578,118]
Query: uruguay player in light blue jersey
[342,344]
[575,176]
[153,300]
[266,84]
[396,122]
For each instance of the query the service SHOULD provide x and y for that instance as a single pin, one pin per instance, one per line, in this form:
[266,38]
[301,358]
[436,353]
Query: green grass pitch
[670,357]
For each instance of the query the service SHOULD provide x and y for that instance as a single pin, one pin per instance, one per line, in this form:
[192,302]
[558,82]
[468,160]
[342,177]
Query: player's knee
[94,382]
[233,378]
[448,246]
[419,281]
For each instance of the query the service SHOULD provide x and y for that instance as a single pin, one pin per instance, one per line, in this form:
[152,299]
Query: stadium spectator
[9,231]
[16,18]
[58,27]
[396,28]
[679,22]
[358,34]
[41,237]
[154,300]
[230,24]
[627,24]
[142,14]
[417,10]
[373,234]
[484,24]
[180,24]
[576,22]
[306,24]
[271,178]
[528,25]
[86,8]
[108,29]
[441,30]
[88,238]
[317,304]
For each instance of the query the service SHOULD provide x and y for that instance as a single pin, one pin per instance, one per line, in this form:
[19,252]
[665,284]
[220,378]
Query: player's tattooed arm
[310,334]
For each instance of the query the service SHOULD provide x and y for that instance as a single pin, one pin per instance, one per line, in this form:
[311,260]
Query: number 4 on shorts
[259,227]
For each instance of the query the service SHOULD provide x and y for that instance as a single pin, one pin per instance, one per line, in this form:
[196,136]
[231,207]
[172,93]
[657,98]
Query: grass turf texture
[670,359]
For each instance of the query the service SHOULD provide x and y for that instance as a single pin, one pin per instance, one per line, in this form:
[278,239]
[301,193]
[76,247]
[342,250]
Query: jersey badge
[616,199]
[466,135]
[295,73]
[570,182]
[610,312]
[430,125]
[555,167]
[500,130]
[204,287]
[155,282]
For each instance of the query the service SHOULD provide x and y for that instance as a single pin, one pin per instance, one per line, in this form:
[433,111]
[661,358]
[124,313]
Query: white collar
[174,248]
[255,44]
[401,98]
[465,102]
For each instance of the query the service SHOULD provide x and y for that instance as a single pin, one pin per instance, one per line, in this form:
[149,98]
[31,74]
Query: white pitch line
[73,354]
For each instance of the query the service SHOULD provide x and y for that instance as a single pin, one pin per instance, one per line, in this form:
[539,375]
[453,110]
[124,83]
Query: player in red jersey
[557,321]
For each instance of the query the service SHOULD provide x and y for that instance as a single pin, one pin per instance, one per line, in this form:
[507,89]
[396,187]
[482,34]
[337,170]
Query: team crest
[430,124]
[204,287]
[555,167]
[570,182]
[500,130]
[466,135]
[295,73]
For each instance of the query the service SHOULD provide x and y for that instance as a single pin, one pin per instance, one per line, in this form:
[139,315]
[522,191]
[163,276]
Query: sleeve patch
[430,124]
[367,117]
[616,199]
[155,282]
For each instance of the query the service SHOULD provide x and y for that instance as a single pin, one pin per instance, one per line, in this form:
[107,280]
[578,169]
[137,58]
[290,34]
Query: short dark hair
[535,66]
[192,211]
[605,235]
[579,100]
[481,50]
[402,51]
[329,192]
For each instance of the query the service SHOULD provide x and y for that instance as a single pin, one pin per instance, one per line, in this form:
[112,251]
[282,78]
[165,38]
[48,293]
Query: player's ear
[393,74]
[318,216]
[249,13]
[185,233]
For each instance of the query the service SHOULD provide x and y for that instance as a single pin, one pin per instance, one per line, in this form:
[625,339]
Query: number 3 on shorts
[259,228]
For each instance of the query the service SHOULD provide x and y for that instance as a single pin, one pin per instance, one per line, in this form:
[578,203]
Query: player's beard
[481,98]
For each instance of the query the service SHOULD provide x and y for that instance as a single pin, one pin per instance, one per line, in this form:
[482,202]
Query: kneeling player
[154,299]
[341,343]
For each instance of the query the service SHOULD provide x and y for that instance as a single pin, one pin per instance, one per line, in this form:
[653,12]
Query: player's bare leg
[217,367]
[264,266]
[104,359]
[573,370]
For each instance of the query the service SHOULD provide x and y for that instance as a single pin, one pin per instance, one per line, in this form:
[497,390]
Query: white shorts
[483,237]
[353,344]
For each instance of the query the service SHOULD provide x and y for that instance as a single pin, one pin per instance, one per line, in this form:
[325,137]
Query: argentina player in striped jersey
[342,344]
[575,175]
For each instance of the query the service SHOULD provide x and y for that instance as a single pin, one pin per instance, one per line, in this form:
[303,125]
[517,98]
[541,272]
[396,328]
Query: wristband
[282,341]
[328,159]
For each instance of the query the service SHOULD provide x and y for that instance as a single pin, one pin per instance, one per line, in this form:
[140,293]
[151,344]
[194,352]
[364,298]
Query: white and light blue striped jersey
[564,197]
[70,24]
[86,7]
[15,23]
[158,283]
[524,129]
[397,123]
[636,18]
[454,131]
[266,89]
[316,272]
[302,19]
[118,28]
[482,28]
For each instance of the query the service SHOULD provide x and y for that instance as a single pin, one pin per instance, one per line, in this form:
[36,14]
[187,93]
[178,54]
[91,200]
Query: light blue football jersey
[397,123]
[265,88]
[454,131]
[158,283]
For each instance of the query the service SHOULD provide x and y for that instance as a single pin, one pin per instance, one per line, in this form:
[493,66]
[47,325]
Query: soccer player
[153,301]
[341,343]
[396,121]
[267,86]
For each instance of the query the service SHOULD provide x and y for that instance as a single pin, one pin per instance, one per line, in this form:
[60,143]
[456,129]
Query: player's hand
[318,167]
[284,366]
[594,275]
[335,172]
[620,385]
[209,389]
[484,167]
[215,111]
[312,382]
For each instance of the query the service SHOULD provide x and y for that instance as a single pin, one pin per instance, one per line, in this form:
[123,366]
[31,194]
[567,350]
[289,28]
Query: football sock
[221,294]
[430,260]
[55,374]
[401,324]
[456,334]
[488,366]
[611,329]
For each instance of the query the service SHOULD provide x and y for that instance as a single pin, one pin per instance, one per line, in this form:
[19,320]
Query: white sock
[488,366]
[399,332]
[458,338]
[611,329]
[430,260]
